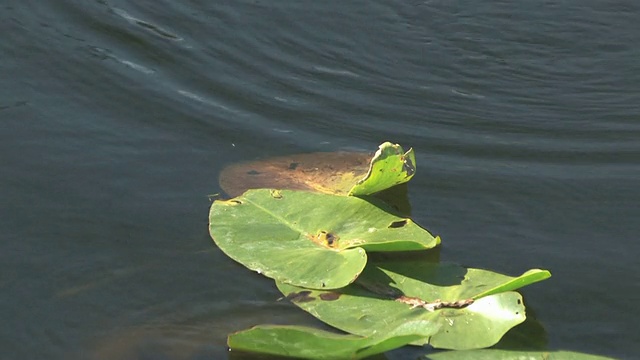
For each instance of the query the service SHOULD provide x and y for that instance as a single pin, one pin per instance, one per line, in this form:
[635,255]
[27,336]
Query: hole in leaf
[519,302]
[398,224]
[330,296]
[408,167]
[326,238]
[253,172]
[293,166]
[300,296]
[330,239]
[234,202]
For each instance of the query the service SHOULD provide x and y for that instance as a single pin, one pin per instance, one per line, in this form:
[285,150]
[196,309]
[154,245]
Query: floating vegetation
[309,222]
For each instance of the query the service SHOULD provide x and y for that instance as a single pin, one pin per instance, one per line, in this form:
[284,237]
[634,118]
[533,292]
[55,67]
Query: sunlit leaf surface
[371,304]
[390,166]
[310,239]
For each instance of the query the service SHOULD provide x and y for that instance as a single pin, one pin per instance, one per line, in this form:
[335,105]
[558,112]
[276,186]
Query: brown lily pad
[326,172]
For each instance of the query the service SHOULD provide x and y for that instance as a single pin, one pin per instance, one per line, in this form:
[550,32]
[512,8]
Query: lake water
[116,118]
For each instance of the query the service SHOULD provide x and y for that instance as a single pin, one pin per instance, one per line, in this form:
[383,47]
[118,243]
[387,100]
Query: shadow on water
[530,335]
[398,198]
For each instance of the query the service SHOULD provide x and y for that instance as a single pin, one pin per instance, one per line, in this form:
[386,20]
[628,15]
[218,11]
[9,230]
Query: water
[117,117]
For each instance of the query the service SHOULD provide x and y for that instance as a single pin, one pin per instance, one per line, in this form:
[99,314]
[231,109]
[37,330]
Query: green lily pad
[428,279]
[390,166]
[310,239]
[371,304]
[494,354]
[310,343]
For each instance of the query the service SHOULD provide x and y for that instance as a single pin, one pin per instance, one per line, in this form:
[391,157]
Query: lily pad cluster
[316,242]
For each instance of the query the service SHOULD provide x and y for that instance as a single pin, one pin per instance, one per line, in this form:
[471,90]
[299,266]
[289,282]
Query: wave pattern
[119,115]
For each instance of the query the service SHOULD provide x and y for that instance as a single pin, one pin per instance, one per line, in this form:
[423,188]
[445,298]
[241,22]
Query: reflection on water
[159,342]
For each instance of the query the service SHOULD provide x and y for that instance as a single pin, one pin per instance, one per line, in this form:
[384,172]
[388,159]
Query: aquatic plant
[315,246]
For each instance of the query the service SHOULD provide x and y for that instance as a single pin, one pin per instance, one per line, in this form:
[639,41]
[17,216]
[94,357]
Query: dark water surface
[116,118]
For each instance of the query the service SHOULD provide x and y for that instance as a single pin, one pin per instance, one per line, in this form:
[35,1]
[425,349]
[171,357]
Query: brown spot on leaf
[300,296]
[276,194]
[330,296]
[333,173]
